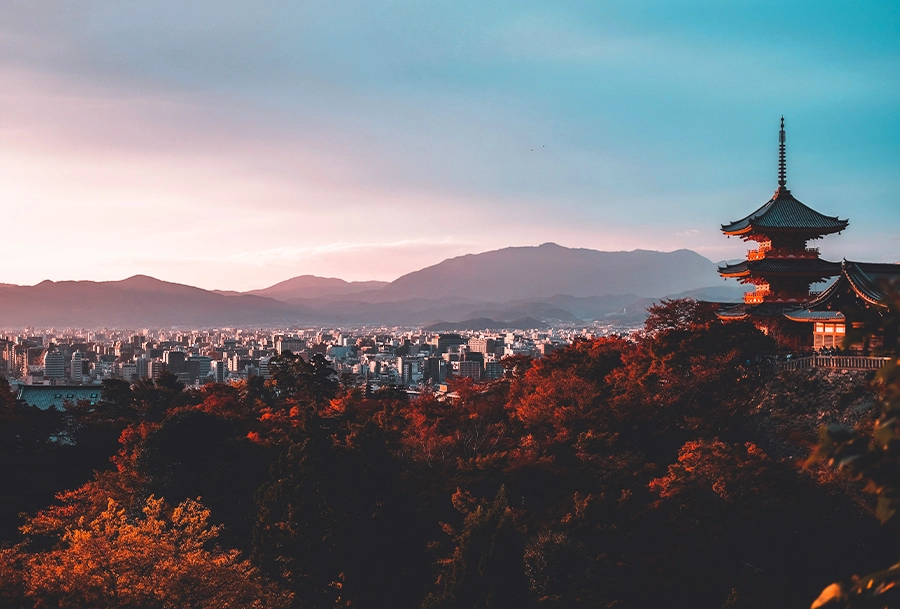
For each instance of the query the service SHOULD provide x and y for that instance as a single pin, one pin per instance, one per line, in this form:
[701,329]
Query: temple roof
[806,315]
[766,309]
[784,212]
[868,280]
[47,396]
[785,266]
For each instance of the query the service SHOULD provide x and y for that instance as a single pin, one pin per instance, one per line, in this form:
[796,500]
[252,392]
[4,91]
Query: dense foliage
[627,473]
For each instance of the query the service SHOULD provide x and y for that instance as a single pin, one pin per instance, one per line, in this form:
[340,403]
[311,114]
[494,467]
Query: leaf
[885,509]
[884,432]
[833,592]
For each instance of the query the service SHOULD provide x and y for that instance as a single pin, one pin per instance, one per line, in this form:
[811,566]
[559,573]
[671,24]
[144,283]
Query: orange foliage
[725,469]
[162,558]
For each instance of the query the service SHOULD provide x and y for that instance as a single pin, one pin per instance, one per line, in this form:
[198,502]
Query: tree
[314,382]
[487,567]
[155,397]
[873,457]
[164,558]
[333,521]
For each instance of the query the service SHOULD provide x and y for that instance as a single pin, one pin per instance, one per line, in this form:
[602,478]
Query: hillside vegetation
[667,471]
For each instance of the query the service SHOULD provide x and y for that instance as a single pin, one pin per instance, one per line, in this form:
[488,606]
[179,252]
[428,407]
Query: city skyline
[231,147]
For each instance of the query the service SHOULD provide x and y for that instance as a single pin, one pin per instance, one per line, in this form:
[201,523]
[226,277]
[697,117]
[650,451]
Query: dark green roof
[46,396]
[766,309]
[784,212]
[868,279]
[786,266]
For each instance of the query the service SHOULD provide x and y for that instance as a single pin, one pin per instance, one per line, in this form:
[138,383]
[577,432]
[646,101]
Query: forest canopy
[628,472]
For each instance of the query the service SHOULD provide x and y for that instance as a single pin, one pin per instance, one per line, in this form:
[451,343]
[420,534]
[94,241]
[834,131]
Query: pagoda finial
[782,161]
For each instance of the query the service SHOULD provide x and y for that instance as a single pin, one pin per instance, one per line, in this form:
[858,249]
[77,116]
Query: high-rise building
[141,367]
[482,345]
[129,372]
[264,368]
[446,341]
[409,369]
[221,371]
[175,361]
[76,367]
[198,366]
[294,345]
[155,367]
[469,368]
[54,365]
[493,370]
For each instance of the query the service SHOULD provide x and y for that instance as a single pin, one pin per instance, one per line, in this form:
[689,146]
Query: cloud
[691,232]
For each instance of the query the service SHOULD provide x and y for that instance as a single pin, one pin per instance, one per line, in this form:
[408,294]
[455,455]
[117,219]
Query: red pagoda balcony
[760,253]
[756,297]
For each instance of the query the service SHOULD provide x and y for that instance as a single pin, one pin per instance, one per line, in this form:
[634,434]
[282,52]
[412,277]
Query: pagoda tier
[782,267]
[785,222]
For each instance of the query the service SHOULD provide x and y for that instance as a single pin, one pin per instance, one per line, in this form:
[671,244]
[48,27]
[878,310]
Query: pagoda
[781,267]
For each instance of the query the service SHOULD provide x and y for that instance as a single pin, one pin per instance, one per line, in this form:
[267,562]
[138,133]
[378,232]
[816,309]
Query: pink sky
[236,148]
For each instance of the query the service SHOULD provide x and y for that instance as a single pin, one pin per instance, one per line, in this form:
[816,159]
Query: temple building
[781,267]
[860,293]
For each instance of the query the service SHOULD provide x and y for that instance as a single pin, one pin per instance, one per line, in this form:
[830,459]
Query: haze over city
[231,146]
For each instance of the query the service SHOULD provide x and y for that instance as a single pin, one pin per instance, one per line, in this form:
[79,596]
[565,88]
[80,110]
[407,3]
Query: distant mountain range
[310,286]
[515,285]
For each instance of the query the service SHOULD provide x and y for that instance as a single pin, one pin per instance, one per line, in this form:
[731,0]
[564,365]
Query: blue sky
[233,145]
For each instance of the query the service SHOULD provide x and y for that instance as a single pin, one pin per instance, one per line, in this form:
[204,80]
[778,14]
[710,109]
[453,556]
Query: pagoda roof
[869,280]
[781,266]
[810,316]
[765,309]
[784,212]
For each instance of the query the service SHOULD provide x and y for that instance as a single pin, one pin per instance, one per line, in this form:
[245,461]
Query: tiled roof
[47,396]
[783,211]
[807,315]
[788,266]
[766,309]
[867,279]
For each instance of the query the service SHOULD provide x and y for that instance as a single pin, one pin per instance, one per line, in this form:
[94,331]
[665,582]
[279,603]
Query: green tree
[487,568]
[334,523]
[314,382]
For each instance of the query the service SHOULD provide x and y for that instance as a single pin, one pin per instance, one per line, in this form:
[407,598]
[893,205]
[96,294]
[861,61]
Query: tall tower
[782,267]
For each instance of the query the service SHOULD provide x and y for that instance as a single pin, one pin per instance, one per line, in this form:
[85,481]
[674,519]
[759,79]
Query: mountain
[136,302]
[517,273]
[310,286]
[484,323]
[548,283]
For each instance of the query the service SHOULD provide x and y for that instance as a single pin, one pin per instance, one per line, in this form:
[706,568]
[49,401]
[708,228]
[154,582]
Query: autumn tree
[165,557]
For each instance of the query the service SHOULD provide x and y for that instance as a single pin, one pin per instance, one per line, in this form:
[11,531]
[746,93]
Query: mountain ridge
[547,282]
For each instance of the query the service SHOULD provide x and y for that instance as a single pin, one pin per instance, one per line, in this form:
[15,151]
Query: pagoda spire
[782,161]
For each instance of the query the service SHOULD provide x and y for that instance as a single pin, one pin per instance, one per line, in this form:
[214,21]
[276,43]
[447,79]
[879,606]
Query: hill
[548,283]
[136,302]
[516,273]
[310,286]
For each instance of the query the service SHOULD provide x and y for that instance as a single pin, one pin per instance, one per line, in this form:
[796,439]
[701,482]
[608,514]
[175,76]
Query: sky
[233,145]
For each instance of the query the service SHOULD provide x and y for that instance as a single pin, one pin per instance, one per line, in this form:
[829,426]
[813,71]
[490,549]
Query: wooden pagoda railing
[762,252]
[834,362]
[755,297]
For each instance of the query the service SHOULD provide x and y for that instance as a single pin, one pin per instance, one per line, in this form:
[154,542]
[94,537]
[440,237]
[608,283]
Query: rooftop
[47,396]
[784,212]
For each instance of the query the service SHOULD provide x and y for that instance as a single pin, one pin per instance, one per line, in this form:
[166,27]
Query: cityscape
[75,361]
